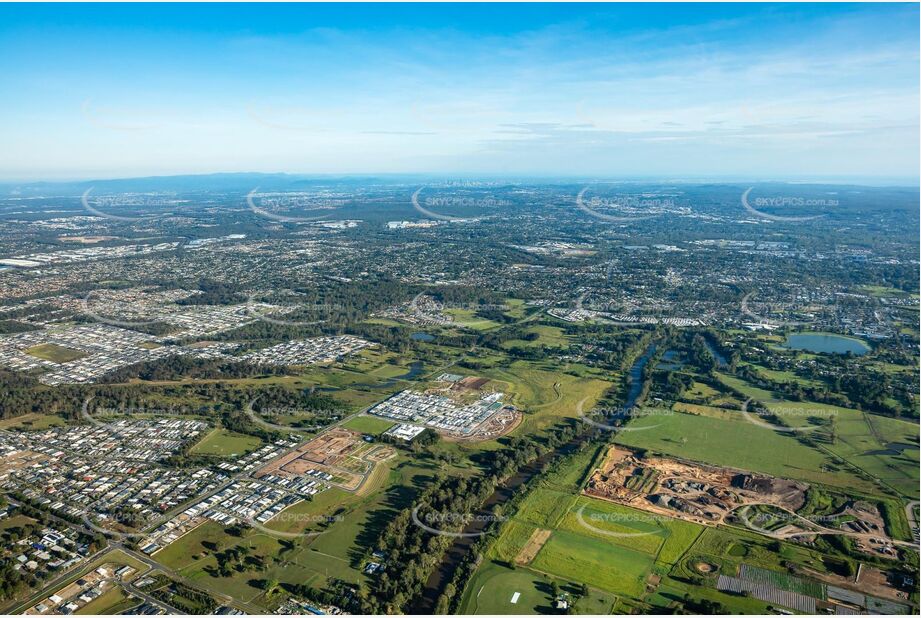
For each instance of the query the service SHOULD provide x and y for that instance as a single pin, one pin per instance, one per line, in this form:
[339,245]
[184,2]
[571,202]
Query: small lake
[828,344]
[422,337]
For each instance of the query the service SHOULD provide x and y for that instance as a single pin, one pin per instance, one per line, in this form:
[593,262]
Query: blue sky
[780,91]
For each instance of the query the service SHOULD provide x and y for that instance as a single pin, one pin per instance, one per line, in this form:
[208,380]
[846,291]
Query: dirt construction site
[687,490]
[339,452]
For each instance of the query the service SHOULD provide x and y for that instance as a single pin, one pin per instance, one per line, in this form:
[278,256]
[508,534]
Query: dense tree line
[412,552]
[178,367]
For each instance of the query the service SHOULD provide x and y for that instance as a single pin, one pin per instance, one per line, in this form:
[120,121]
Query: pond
[825,343]
[422,337]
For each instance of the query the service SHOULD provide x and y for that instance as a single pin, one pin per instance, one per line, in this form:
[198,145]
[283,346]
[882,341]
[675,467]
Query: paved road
[135,591]
[818,529]
[59,582]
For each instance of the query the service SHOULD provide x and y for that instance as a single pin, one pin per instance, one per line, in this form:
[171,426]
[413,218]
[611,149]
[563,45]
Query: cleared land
[32,421]
[225,443]
[54,353]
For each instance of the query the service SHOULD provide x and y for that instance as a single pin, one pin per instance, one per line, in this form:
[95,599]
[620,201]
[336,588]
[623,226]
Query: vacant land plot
[54,353]
[663,538]
[545,396]
[192,556]
[745,388]
[704,410]
[742,445]
[612,523]
[547,337]
[604,565]
[225,443]
[32,421]
[884,448]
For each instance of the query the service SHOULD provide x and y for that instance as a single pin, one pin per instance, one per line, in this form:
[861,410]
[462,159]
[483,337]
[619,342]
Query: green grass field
[54,353]
[728,548]
[467,318]
[543,508]
[547,336]
[314,560]
[514,536]
[368,424]
[192,556]
[225,443]
[665,539]
[32,421]
[494,586]
[740,444]
[545,396]
[672,590]
[863,440]
[582,558]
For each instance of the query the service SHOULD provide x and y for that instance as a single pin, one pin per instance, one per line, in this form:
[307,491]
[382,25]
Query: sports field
[557,533]
[225,443]
[495,587]
[54,353]
[368,424]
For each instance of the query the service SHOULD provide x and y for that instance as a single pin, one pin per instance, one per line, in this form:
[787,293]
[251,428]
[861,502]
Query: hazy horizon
[618,91]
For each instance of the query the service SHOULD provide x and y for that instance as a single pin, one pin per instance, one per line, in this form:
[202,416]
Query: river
[425,604]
